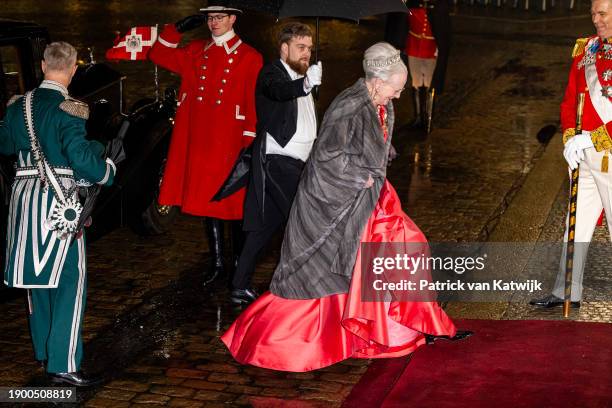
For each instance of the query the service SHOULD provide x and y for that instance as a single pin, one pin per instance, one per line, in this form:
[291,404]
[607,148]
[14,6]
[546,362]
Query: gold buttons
[224,81]
[201,88]
[199,98]
[204,67]
[206,57]
[231,60]
[220,91]
[226,70]
[218,102]
[203,77]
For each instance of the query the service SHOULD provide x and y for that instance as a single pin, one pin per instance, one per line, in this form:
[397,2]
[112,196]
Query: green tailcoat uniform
[36,257]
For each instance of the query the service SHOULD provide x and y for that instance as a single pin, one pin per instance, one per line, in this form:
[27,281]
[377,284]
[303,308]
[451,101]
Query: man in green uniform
[46,131]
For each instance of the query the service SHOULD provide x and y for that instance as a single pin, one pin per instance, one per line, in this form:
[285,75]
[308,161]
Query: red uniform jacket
[420,41]
[214,120]
[600,131]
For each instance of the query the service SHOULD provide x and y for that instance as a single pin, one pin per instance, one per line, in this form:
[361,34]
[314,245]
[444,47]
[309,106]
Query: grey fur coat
[332,204]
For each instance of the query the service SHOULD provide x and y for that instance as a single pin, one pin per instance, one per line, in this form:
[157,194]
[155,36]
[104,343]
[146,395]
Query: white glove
[575,147]
[313,76]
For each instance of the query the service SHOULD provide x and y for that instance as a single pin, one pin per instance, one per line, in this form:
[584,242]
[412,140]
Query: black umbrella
[114,151]
[343,9]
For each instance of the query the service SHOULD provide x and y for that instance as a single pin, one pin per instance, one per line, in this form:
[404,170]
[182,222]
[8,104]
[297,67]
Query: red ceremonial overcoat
[588,51]
[420,41]
[214,120]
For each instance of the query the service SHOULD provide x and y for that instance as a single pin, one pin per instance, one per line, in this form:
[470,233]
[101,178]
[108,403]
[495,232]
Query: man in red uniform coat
[424,36]
[215,119]
[421,48]
[591,74]
[427,46]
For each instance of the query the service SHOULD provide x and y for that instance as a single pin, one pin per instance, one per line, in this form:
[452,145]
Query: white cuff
[166,43]
[307,86]
[109,165]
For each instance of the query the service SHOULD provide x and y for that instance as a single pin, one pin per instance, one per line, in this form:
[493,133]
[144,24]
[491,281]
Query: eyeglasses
[217,18]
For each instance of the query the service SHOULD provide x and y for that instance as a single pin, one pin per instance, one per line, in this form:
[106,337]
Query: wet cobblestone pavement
[153,331]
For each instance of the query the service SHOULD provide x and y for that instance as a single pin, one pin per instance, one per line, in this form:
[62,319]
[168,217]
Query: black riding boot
[416,94]
[423,100]
[214,232]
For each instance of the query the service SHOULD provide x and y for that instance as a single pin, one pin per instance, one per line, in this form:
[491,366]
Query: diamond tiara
[380,63]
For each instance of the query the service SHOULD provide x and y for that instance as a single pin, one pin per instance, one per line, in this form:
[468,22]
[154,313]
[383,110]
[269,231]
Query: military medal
[606,90]
[607,74]
[587,59]
[589,54]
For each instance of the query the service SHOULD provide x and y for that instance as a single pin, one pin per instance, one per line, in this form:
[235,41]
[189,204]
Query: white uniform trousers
[421,71]
[594,194]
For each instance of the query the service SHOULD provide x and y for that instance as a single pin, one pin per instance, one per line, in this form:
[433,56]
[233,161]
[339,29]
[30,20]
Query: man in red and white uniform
[591,74]
[215,119]
[427,46]
[421,48]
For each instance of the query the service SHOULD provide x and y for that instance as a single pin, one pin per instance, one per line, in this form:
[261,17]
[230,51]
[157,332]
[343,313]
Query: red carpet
[507,363]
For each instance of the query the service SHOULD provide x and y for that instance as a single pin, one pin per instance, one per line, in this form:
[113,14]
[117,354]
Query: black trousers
[282,178]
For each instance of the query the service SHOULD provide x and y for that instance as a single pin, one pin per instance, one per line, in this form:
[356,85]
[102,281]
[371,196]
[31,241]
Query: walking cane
[571,230]
[429,106]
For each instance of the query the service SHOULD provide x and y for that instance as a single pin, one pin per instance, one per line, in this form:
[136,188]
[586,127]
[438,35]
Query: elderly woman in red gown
[314,315]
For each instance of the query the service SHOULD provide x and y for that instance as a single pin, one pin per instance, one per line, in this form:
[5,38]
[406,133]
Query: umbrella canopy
[265,6]
[342,9]
[345,9]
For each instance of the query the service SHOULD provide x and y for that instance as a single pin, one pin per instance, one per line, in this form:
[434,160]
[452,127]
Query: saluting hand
[190,22]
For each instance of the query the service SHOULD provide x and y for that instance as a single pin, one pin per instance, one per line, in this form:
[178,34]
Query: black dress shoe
[76,378]
[243,296]
[552,301]
[459,335]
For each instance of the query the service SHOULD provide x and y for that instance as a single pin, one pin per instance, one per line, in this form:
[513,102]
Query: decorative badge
[607,74]
[65,217]
[589,54]
[606,90]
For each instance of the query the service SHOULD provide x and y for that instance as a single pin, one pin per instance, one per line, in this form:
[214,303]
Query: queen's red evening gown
[303,335]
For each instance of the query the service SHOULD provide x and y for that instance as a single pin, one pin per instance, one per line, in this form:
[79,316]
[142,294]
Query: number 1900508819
[37,394]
